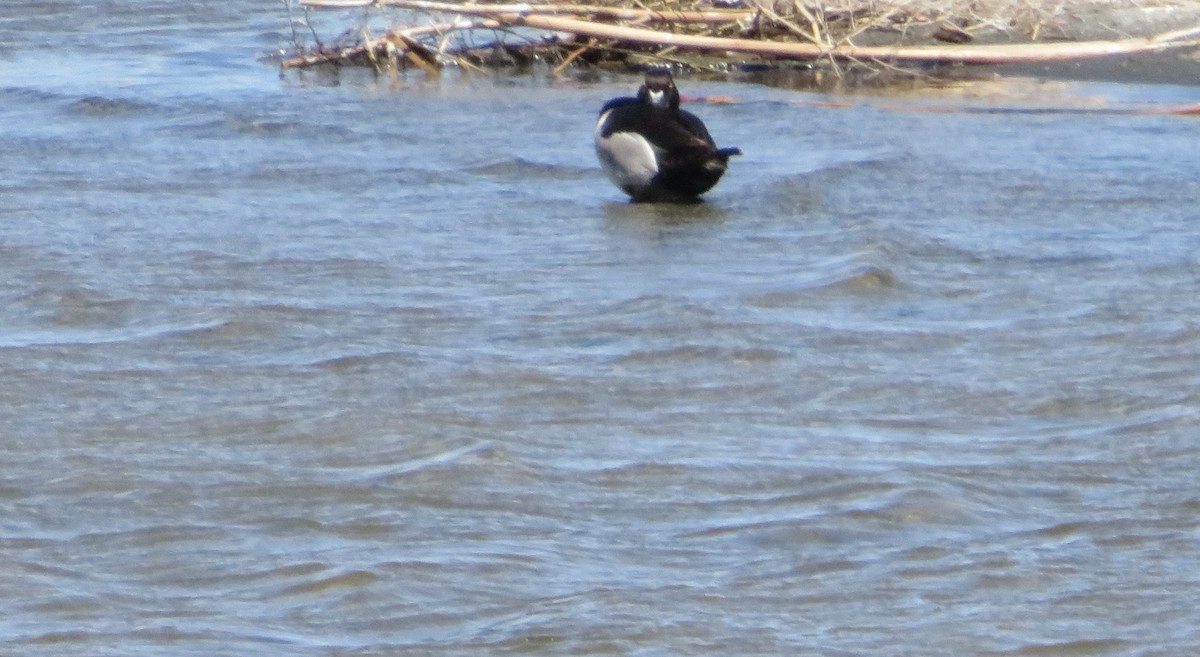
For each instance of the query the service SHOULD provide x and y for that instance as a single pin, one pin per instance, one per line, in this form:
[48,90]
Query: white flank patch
[627,158]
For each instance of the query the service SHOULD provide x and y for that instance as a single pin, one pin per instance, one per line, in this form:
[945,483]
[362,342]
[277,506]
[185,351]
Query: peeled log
[981,54]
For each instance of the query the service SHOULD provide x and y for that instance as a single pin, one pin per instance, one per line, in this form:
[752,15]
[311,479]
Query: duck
[654,151]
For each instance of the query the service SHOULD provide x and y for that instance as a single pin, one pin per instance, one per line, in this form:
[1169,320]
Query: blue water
[324,363]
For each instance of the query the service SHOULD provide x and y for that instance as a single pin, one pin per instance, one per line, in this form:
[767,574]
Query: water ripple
[17,339]
[354,369]
[100,106]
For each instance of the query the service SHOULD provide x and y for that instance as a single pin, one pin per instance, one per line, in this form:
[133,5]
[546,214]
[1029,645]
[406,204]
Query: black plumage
[655,151]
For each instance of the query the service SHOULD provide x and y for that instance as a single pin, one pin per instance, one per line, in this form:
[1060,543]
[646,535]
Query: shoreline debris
[871,34]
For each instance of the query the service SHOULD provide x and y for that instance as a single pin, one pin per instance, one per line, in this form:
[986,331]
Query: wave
[47,337]
[703,354]
[105,106]
[226,126]
[855,279]
[28,96]
[518,166]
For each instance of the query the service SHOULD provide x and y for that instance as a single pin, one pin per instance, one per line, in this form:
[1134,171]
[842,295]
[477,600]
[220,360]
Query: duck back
[653,150]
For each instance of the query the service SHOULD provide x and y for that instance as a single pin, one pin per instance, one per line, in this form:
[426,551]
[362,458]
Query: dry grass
[874,33]
[911,22]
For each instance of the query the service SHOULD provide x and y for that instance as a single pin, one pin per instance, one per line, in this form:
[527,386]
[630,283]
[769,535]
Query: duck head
[659,89]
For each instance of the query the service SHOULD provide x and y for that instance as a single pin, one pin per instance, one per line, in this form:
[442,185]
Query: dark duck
[655,151]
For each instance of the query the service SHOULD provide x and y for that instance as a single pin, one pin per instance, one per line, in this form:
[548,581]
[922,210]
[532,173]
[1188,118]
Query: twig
[814,38]
[370,51]
[418,54]
[812,21]
[308,23]
[572,56]
[292,22]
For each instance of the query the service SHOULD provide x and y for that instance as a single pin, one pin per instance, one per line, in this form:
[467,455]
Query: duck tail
[726,153]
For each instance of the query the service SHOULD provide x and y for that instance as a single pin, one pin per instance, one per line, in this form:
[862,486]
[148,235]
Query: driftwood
[611,13]
[595,27]
[966,54]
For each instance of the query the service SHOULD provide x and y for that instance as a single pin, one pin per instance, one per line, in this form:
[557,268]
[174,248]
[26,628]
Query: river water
[334,365]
